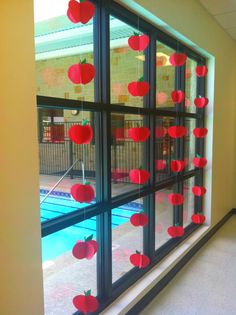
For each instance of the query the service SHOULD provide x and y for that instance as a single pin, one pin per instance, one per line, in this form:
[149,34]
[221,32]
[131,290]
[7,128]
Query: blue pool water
[63,241]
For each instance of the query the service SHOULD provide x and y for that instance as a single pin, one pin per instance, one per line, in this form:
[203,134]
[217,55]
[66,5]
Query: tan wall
[20,259]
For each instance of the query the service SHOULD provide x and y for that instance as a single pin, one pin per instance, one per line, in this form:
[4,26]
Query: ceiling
[224,11]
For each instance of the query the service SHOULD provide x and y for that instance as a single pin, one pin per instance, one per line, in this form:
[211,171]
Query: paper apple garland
[138,42]
[199,162]
[177,131]
[139,134]
[139,176]
[82,193]
[198,190]
[177,59]
[200,132]
[177,96]
[139,260]
[198,218]
[82,11]
[85,249]
[139,219]
[138,88]
[177,165]
[160,165]
[201,71]
[175,231]
[201,102]
[81,134]
[176,199]
[160,132]
[81,73]
[86,303]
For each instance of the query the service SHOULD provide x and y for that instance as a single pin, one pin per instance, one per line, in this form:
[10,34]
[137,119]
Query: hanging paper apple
[139,260]
[139,134]
[201,71]
[82,193]
[200,132]
[81,73]
[138,88]
[160,132]
[198,218]
[201,102]
[175,231]
[177,96]
[139,176]
[160,165]
[177,131]
[199,190]
[138,42]
[86,303]
[85,249]
[199,162]
[82,11]
[81,134]
[139,219]
[176,199]
[177,165]
[177,59]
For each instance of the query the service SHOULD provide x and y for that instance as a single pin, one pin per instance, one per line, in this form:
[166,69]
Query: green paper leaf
[137,252]
[140,167]
[87,293]
[136,34]
[87,183]
[89,238]
[83,61]
[84,122]
[141,79]
[198,156]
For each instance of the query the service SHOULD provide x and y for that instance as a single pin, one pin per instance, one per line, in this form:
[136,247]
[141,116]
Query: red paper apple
[139,134]
[160,165]
[201,102]
[177,165]
[177,59]
[85,249]
[81,11]
[160,132]
[138,42]
[199,162]
[139,176]
[201,71]
[177,96]
[86,303]
[176,199]
[198,218]
[81,73]
[139,260]
[198,190]
[81,134]
[200,132]
[177,131]
[82,193]
[175,231]
[139,219]
[138,88]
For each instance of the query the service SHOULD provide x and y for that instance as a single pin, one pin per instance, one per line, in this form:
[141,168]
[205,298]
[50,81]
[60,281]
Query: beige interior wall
[20,262]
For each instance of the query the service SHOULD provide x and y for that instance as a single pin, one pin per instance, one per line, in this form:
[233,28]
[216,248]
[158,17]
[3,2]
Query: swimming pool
[58,243]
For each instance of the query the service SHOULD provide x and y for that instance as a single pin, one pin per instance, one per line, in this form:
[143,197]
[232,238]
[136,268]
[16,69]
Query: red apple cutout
[198,218]
[199,162]
[86,303]
[198,190]
[160,132]
[177,96]
[139,260]
[82,193]
[175,231]
[177,131]
[139,219]
[201,71]
[177,165]
[138,42]
[200,132]
[201,102]
[85,249]
[81,73]
[82,11]
[138,88]
[139,176]
[177,59]
[139,134]
[176,199]
[160,165]
[81,134]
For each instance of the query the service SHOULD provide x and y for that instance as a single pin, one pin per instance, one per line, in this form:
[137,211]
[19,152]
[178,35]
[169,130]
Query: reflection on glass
[189,144]
[190,86]
[188,209]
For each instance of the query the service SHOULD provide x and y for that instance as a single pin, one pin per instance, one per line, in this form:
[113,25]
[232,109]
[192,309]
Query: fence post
[71,159]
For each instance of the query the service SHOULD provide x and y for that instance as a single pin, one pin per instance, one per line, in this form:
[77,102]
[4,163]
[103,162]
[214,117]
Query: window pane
[188,209]
[191,85]
[189,144]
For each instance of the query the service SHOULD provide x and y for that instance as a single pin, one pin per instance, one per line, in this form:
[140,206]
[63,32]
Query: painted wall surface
[199,29]
[21,289]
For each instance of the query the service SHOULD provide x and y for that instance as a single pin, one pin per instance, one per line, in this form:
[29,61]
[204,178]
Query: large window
[130,178]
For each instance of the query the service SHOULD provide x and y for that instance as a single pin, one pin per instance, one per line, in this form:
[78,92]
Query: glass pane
[64,275]
[57,153]
[189,144]
[126,238]
[190,86]
[188,209]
